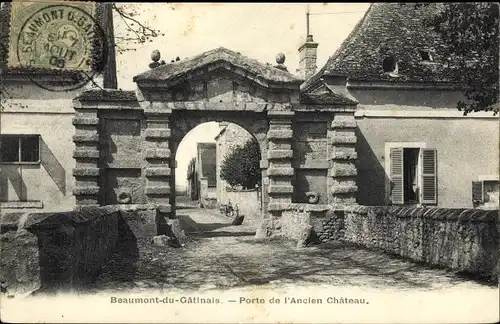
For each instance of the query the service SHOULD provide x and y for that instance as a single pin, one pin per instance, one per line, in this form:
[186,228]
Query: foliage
[135,31]
[470,29]
[241,166]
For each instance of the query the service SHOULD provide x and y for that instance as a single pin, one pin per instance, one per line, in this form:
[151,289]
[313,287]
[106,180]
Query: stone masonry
[131,159]
[280,155]
[343,171]
[86,154]
[158,164]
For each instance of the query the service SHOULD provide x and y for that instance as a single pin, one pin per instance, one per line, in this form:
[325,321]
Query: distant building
[201,177]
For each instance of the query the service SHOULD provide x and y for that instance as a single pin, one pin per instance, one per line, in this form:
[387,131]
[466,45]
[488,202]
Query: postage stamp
[57,37]
[52,35]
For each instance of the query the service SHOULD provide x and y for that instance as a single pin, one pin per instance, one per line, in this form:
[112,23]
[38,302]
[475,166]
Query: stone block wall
[311,161]
[87,153]
[158,164]
[55,250]
[43,252]
[342,138]
[280,170]
[462,240]
[294,220]
[465,240]
[332,227]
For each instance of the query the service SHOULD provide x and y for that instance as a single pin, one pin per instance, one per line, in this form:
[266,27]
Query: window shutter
[477,192]
[428,176]
[396,176]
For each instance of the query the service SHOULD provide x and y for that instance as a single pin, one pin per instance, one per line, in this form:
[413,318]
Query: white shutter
[396,176]
[428,180]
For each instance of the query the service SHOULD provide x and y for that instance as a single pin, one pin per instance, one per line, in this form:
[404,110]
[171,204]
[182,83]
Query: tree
[470,29]
[241,166]
[135,31]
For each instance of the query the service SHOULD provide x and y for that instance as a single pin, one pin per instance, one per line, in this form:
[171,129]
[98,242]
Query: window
[390,65]
[425,55]
[413,176]
[485,192]
[19,148]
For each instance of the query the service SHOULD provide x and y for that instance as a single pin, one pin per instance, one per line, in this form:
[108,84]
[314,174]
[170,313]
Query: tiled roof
[221,54]
[390,29]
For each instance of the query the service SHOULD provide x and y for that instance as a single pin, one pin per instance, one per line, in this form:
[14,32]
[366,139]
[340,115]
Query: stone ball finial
[155,55]
[280,58]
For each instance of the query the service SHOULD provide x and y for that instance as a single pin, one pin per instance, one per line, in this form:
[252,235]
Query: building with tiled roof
[414,146]
[393,42]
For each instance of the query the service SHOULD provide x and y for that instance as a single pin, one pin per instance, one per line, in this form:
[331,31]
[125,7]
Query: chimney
[307,57]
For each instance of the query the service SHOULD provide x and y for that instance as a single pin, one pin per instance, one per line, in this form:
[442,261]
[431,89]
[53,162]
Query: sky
[259,31]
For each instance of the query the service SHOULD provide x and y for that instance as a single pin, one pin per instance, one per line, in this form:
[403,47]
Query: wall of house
[48,114]
[466,146]
[207,162]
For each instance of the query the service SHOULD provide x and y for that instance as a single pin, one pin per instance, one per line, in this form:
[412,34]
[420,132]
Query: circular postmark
[62,47]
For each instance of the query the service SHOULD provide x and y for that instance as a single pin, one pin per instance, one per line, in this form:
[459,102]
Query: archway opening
[218,179]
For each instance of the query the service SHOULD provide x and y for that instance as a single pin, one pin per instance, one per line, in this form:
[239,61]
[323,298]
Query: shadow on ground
[219,255]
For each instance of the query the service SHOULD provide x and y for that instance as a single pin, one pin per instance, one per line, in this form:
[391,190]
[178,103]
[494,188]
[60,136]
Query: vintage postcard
[249,162]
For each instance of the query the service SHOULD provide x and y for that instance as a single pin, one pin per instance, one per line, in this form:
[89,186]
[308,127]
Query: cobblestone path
[218,255]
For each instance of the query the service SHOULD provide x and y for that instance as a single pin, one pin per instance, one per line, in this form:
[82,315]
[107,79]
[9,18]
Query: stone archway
[221,85]
[253,123]
[124,140]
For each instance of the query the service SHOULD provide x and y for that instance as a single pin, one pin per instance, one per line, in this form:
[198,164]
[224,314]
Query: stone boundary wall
[463,240]
[44,252]
[297,221]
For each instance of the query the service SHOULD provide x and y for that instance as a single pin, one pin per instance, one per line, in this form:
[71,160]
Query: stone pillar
[343,173]
[157,158]
[86,154]
[280,155]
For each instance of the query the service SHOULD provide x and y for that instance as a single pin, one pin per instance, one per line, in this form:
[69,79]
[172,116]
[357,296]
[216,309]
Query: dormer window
[426,55]
[390,65]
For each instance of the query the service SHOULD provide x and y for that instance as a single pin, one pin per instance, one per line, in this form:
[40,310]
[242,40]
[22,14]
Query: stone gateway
[129,139]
